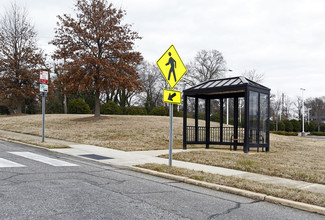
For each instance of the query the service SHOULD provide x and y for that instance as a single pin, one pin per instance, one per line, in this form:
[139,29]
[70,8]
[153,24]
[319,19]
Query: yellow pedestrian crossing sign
[172,96]
[171,66]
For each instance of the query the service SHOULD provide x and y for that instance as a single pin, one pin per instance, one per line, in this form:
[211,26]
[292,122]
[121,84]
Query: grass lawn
[268,189]
[289,157]
[129,133]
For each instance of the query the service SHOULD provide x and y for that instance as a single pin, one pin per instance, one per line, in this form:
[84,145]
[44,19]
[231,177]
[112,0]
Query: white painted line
[8,163]
[43,159]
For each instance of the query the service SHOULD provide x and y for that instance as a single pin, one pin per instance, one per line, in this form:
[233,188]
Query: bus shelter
[254,132]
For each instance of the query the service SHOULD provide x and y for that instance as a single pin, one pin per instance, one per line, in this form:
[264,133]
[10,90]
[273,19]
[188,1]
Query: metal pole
[227,111]
[303,112]
[240,110]
[43,113]
[170,134]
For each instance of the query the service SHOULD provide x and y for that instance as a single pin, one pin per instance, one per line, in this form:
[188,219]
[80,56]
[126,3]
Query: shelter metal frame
[255,133]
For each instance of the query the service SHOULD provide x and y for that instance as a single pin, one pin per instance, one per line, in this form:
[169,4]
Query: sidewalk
[130,159]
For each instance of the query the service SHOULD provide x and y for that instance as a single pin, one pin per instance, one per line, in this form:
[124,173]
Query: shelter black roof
[221,86]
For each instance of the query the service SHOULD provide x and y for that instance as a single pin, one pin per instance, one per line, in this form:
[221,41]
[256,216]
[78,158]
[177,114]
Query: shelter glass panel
[190,111]
[253,117]
[264,99]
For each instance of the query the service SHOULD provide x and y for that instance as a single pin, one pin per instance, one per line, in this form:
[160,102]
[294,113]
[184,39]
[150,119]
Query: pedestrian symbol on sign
[171,66]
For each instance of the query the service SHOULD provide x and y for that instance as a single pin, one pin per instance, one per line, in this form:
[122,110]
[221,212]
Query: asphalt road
[39,184]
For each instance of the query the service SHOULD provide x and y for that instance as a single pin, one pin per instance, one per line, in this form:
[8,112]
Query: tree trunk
[65,107]
[19,106]
[97,103]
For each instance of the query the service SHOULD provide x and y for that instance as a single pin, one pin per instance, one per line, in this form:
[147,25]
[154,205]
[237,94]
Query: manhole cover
[96,157]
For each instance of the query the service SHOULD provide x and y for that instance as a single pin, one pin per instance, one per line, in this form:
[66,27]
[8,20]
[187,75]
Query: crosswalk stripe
[43,159]
[8,163]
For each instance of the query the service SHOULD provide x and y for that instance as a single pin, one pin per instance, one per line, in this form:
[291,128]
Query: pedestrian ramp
[35,157]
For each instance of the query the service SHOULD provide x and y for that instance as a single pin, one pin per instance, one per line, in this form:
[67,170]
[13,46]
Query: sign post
[170,134]
[43,115]
[173,69]
[44,76]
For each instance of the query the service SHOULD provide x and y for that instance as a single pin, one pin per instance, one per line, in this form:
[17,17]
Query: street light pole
[303,112]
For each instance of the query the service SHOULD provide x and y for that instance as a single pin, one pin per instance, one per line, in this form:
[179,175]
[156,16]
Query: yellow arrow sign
[171,66]
[172,96]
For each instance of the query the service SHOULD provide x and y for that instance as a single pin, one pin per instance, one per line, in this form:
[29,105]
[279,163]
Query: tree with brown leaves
[96,50]
[20,59]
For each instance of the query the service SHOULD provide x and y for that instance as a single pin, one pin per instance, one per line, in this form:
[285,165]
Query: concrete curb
[24,143]
[240,192]
[297,205]
[31,145]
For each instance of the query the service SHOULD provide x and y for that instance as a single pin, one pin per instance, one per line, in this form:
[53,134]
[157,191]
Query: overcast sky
[283,39]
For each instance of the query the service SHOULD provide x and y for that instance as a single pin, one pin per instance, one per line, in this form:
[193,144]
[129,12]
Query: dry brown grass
[268,189]
[290,157]
[121,132]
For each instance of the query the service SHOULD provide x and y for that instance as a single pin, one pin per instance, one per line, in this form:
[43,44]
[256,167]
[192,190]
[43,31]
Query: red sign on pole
[44,77]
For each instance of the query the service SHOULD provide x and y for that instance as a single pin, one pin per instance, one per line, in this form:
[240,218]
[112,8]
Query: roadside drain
[96,157]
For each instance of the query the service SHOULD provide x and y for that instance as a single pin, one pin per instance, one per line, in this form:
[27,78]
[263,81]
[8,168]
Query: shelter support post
[246,139]
[235,122]
[221,120]
[268,125]
[207,122]
[184,121]
[196,119]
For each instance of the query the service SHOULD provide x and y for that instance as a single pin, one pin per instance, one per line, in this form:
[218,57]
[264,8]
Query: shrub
[78,106]
[135,110]
[322,128]
[215,117]
[312,127]
[317,133]
[281,126]
[110,108]
[54,106]
[286,133]
[178,114]
[288,125]
[296,125]
[162,111]
[4,110]
[201,115]
[272,125]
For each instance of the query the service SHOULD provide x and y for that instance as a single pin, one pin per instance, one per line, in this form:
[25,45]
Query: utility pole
[303,112]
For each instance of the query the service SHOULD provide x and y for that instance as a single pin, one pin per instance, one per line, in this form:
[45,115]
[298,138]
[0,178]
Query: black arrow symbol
[171,96]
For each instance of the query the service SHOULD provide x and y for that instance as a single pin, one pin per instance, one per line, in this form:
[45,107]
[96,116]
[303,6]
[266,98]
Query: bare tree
[286,107]
[317,106]
[20,58]
[97,49]
[206,65]
[298,104]
[254,76]
[275,103]
[153,84]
